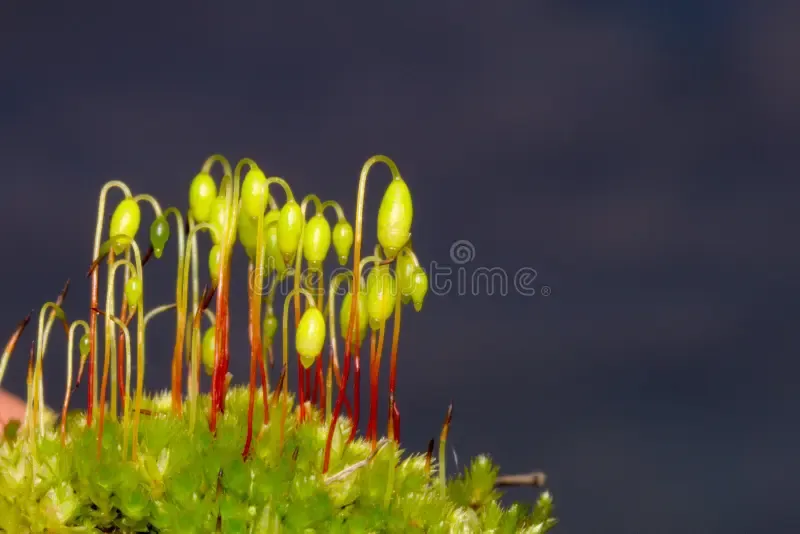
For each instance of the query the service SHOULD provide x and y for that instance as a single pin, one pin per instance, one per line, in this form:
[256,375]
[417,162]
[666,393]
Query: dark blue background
[642,157]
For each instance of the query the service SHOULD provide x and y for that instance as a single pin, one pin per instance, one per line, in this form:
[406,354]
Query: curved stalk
[68,391]
[12,342]
[92,386]
[358,233]
[37,374]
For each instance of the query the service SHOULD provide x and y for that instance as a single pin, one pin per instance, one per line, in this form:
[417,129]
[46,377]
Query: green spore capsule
[419,288]
[316,241]
[159,235]
[395,215]
[208,350]
[363,315]
[381,295]
[133,290]
[202,193]
[290,226]
[342,240]
[255,194]
[84,345]
[270,327]
[247,230]
[310,336]
[273,259]
[214,262]
[406,268]
[219,218]
[125,222]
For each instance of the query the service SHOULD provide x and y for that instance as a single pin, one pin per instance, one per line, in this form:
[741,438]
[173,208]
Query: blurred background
[638,160]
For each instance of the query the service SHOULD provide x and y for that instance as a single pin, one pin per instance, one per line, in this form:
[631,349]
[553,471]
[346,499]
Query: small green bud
[270,326]
[133,290]
[310,336]
[255,194]
[342,240]
[395,215]
[316,240]
[219,218]
[419,288]
[84,345]
[159,235]
[208,350]
[290,226]
[202,193]
[214,263]
[406,267]
[125,221]
[363,315]
[381,295]
[272,251]
[247,230]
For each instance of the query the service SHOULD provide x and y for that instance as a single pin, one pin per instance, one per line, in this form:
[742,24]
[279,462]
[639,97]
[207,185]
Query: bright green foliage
[159,235]
[363,315]
[125,222]
[342,240]
[290,226]
[381,295]
[202,193]
[316,240]
[310,337]
[394,217]
[189,481]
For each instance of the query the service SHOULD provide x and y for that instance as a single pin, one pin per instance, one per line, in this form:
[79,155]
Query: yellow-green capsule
[247,230]
[381,295]
[209,350]
[363,315]
[270,327]
[273,257]
[84,345]
[202,193]
[420,288]
[395,215]
[214,260]
[342,240]
[159,235]
[290,226]
[218,219]
[255,194]
[124,222]
[406,267]
[316,241]
[133,290]
[310,336]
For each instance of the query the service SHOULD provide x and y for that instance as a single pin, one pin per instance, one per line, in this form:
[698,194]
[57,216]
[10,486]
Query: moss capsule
[208,350]
[255,194]
[218,219]
[363,316]
[84,345]
[406,267]
[381,295]
[247,231]
[273,257]
[133,290]
[202,193]
[125,221]
[214,263]
[159,235]
[419,288]
[316,241]
[270,327]
[290,226]
[395,215]
[310,336]
[342,240]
